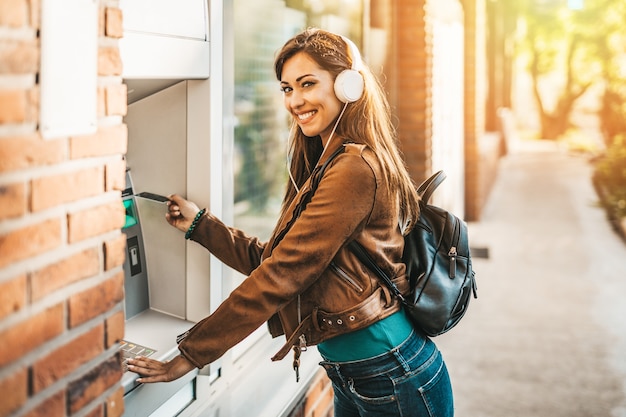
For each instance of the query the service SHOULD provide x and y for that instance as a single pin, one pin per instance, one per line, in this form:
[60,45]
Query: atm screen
[131,213]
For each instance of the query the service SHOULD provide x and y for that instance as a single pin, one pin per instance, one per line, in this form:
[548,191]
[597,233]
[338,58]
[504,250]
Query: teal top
[377,338]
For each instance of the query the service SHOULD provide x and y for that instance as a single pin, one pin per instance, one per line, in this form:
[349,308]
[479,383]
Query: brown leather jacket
[310,287]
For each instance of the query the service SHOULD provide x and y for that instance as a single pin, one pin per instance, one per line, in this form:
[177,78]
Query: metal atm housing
[165,149]
[180,140]
[166,70]
[135,274]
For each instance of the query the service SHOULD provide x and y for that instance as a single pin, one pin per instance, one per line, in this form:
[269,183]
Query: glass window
[262,129]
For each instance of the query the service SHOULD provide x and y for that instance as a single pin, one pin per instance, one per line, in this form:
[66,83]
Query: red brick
[95,221]
[62,273]
[90,386]
[114,329]
[319,396]
[114,22]
[106,141]
[97,300]
[30,241]
[31,333]
[12,200]
[12,106]
[55,190]
[13,13]
[51,407]
[313,393]
[114,252]
[32,105]
[14,389]
[62,361]
[115,404]
[325,402]
[101,13]
[116,100]
[115,176]
[30,151]
[109,62]
[35,13]
[12,295]
[19,57]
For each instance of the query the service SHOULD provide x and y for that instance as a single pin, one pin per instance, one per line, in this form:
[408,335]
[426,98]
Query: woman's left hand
[156,371]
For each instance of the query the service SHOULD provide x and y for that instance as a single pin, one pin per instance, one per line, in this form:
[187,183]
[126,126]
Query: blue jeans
[411,380]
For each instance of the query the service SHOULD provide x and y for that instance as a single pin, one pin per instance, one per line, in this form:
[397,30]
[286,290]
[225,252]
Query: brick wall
[476,189]
[61,248]
[412,59]
[408,81]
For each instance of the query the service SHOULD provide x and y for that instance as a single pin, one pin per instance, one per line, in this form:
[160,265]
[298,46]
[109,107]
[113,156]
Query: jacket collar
[335,144]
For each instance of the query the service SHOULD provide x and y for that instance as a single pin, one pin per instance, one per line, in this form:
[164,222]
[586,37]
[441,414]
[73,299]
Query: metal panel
[165,40]
[148,56]
[181,18]
[157,331]
[157,158]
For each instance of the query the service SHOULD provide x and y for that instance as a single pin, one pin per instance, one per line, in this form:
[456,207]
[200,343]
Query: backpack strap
[316,177]
[366,259]
[427,188]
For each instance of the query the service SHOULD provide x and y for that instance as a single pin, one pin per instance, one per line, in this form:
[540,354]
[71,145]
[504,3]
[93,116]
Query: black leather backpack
[439,266]
[437,257]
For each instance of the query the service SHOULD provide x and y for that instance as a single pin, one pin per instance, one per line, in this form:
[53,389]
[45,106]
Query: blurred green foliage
[609,179]
[567,52]
[563,50]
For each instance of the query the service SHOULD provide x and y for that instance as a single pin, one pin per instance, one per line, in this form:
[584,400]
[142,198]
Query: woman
[304,281]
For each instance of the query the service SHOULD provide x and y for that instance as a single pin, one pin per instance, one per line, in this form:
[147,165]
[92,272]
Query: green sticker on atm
[131,216]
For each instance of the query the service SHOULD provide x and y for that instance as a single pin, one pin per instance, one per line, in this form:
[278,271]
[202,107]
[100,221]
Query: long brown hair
[365,121]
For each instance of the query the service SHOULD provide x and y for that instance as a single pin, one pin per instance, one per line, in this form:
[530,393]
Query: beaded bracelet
[194,223]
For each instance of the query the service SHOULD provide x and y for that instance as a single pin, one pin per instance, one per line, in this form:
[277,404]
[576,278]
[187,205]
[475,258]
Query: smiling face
[309,95]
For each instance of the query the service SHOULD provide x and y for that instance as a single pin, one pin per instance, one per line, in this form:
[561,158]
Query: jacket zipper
[343,275]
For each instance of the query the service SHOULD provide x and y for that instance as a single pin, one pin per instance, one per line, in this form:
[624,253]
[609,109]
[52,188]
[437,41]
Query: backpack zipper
[452,253]
[452,256]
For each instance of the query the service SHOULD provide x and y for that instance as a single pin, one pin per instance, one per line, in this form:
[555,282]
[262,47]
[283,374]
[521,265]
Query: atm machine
[165,52]
[167,278]
[149,332]
[178,143]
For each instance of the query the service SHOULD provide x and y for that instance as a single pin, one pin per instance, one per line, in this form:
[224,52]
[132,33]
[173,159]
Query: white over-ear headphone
[349,83]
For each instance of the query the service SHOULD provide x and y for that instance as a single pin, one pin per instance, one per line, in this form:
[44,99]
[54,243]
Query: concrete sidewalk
[547,335]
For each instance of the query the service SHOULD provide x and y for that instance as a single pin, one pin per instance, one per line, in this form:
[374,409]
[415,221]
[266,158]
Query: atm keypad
[132,350]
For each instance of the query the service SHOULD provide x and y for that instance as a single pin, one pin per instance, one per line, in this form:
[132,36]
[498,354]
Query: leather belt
[321,325]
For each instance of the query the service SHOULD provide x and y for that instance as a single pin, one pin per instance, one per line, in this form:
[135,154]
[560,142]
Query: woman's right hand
[180,212]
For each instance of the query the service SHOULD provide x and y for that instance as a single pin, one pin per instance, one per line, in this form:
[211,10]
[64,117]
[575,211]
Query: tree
[561,41]
[612,54]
